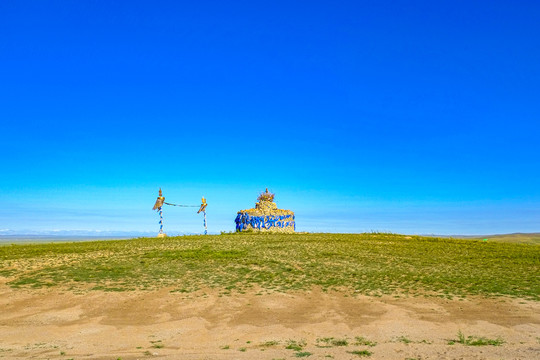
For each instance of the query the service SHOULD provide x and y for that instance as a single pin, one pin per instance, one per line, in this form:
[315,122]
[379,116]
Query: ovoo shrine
[266,217]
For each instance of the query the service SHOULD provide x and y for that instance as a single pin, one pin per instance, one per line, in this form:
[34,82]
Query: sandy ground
[55,324]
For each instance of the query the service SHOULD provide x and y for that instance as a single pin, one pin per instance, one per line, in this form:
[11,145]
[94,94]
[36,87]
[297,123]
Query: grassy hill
[372,264]
[518,238]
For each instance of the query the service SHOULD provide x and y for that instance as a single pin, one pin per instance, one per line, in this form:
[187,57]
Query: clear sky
[418,117]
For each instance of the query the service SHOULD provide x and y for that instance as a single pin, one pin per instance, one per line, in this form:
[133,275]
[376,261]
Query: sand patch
[136,325]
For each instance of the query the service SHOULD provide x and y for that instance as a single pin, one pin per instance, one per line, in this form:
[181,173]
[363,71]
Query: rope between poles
[181,205]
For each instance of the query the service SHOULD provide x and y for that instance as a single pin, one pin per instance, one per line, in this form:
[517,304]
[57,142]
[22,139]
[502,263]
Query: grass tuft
[359,340]
[403,339]
[475,340]
[295,345]
[361,352]
[269,343]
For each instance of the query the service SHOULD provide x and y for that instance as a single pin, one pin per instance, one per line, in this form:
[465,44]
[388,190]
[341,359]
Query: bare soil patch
[57,324]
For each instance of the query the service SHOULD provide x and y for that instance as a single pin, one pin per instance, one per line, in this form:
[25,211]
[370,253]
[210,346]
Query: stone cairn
[266,217]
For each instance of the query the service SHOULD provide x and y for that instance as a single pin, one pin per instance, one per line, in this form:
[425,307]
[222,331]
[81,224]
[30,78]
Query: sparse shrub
[361,352]
[270,343]
[295,345]
[330,341]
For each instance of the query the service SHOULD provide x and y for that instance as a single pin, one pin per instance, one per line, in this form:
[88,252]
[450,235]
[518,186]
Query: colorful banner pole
[158,206]
[203,209]
[160,222]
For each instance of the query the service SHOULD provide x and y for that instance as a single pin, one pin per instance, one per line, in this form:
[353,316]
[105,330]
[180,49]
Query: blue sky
[414,117]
